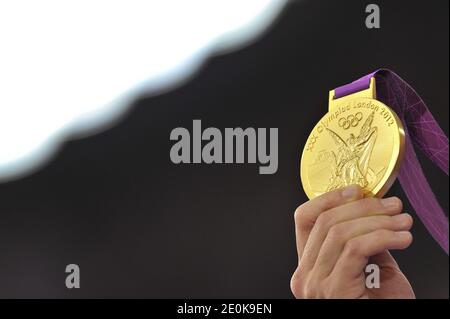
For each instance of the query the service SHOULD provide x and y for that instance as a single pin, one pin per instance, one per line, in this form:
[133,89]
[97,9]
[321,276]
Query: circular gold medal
[359,141]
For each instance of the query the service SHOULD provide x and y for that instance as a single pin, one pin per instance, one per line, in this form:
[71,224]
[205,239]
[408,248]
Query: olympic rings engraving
[350,121]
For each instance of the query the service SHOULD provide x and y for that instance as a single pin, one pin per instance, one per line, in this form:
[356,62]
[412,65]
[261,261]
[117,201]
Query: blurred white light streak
[71,68]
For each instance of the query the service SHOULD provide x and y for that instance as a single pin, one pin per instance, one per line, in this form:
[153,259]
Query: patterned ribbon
[421,130]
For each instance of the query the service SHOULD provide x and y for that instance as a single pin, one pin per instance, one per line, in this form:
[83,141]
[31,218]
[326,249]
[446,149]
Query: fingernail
[391,202]
[403,234]
[351,191]
[402,218]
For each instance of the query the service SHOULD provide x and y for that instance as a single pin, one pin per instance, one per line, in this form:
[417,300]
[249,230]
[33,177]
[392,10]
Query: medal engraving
[358,142]
[352,157]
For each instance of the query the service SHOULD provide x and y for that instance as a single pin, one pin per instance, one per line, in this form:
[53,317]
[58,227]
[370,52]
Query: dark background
[140,226]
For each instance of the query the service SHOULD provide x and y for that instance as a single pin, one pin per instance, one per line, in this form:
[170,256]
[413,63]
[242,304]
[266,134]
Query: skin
[338,234]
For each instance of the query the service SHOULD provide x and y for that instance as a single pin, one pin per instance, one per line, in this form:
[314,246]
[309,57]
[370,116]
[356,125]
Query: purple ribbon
[422,130]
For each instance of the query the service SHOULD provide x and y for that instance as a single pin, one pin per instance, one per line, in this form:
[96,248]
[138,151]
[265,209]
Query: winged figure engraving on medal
[352,157]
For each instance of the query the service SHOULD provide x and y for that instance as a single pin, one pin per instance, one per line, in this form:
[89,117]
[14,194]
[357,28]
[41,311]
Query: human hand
[338,234]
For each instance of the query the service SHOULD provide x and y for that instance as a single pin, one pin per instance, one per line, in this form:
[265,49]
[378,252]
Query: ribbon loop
[422,130]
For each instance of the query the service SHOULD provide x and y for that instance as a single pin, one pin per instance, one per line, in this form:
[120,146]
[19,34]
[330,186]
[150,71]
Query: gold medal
[359,141]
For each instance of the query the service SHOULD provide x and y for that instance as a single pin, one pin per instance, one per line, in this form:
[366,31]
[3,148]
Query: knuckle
[323,220]
[383,234]
[353,248]
[296,288]
[296,284]
[329,288]
[392,224]
[310,289]
[336,232]
[368,205]
[305,286]
[299,214]
[383,221]
[371,203]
